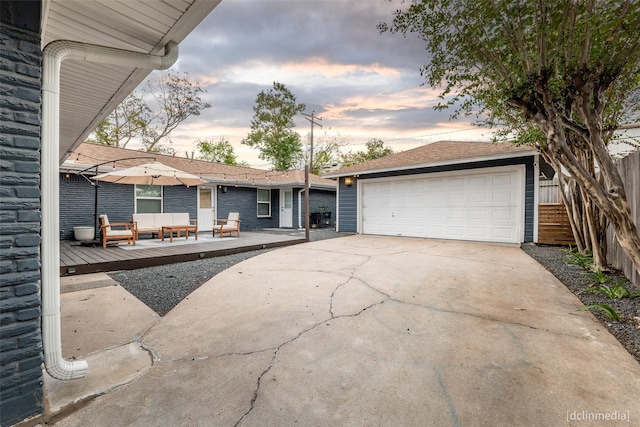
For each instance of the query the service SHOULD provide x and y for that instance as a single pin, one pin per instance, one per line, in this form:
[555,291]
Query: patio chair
[126,232]
[228,225]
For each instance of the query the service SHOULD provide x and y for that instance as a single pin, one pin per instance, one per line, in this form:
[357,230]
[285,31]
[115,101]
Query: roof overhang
[398,168]
[89,92]
[262,184]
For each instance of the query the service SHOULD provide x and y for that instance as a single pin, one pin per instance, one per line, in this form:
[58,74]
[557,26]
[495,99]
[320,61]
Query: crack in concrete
[351,274]
[277,349]
[155,357]
[222,355]
[448,399]
[301,333]
[257,389]
[489,318]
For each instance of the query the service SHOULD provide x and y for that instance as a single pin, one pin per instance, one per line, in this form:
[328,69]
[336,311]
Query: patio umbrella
[154,173]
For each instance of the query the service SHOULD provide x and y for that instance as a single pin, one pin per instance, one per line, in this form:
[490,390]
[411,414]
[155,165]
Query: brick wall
[319,198]
[77,202]
[244,201]
[21,394]
[179,198]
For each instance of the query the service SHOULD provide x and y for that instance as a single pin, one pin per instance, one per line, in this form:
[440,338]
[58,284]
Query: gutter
[53,55]
[300,209]
[339,174]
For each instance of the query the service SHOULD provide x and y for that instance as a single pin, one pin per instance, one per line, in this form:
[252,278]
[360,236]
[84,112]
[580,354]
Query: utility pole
[307,168]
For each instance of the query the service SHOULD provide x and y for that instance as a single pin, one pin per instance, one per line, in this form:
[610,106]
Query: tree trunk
[569,202]
[611,201]
[599,255]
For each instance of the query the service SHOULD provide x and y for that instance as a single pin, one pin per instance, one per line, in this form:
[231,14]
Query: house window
[264,203]
[148,199]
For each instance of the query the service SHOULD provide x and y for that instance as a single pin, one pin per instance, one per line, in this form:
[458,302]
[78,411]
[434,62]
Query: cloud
[330,54]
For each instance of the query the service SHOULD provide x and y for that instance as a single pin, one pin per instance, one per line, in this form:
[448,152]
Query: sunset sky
[331,56]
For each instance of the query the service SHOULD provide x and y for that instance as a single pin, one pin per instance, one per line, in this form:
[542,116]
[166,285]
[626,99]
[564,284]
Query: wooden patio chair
[126,232]
[227,225]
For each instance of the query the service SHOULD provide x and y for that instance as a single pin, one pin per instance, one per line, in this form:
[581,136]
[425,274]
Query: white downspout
[300,209]
[53,55]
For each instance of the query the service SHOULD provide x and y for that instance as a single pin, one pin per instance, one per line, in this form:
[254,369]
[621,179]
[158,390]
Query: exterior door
[286,208]
[206,208]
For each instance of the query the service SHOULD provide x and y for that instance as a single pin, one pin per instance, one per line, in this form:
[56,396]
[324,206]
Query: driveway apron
[367,330]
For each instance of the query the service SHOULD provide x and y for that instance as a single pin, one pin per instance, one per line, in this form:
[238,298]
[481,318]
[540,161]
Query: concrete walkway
[360,330]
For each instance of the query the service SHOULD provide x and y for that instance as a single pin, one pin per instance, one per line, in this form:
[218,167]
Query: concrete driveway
[368,330]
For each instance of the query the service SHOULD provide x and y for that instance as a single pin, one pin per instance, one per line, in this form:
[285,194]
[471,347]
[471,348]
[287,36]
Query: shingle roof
[87,155]
[442,152]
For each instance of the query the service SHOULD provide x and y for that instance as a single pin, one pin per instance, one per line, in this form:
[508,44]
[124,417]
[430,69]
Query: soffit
[89,92]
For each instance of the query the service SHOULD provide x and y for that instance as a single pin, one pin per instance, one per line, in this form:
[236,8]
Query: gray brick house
[45,114]
[21,392]
[264,199]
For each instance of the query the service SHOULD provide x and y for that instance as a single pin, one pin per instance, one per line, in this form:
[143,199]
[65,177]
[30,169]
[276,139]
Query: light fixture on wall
[348,181]
[223,188]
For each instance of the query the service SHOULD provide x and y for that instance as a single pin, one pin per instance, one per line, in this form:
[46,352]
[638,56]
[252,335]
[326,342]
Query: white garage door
[482,204]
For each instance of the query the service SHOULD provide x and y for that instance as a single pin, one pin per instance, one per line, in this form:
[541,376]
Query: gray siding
[348,221]
[21,393]
[529,202]
[348,195]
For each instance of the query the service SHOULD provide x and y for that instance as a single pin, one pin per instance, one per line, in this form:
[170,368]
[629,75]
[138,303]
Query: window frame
[136,198]
[259,202]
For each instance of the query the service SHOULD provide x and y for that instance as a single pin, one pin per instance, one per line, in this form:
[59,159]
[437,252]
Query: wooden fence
[553,225]
[629,168]
[549,191]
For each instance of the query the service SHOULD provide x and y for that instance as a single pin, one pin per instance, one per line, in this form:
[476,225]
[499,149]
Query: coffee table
[177,229]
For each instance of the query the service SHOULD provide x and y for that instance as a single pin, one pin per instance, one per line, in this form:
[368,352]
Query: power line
[431,134]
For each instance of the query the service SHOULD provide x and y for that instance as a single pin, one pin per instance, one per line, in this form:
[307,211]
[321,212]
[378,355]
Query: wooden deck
[78,259]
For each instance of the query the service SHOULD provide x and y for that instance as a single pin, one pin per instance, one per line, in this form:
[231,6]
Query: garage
[484,204]
[461,190]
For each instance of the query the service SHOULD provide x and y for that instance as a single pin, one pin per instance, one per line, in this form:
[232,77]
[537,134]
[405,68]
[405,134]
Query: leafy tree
[218,152]
[326,154]
[272,127]
[175,98]
[556,64]
[375,150]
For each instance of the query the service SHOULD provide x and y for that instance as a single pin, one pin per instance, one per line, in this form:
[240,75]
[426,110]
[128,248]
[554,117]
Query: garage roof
[89,92]
[436,154]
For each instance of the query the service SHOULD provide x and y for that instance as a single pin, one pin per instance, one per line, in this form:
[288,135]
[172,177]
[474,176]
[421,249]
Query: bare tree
[152,113]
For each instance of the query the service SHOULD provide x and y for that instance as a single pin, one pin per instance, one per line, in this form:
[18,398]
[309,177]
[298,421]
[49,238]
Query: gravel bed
[627,330]
[162,287]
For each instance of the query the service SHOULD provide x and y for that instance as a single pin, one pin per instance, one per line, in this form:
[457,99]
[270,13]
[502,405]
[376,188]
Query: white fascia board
[434,164]
[266,184]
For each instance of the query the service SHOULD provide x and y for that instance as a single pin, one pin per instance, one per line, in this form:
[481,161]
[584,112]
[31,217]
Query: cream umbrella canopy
[154,173]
